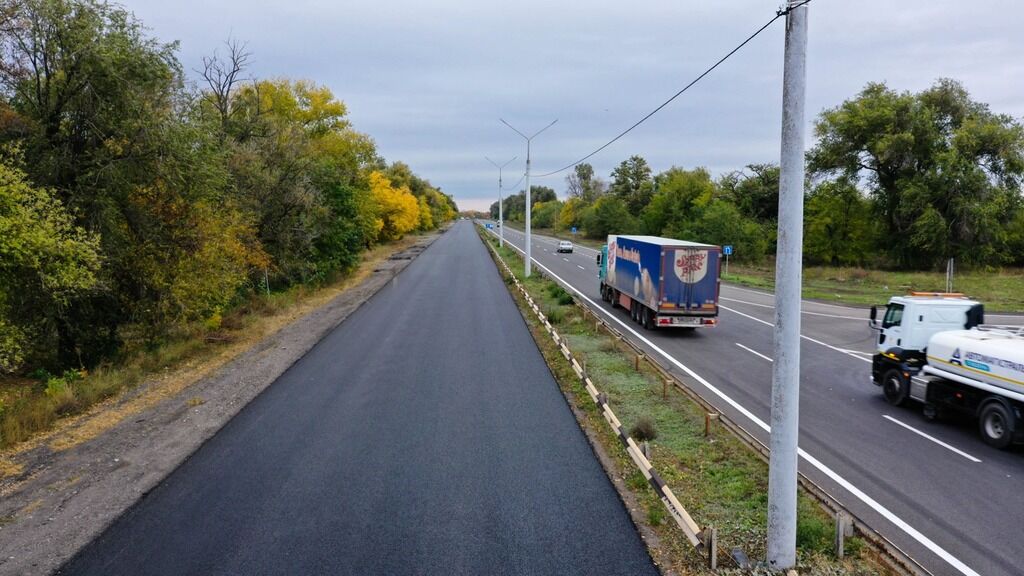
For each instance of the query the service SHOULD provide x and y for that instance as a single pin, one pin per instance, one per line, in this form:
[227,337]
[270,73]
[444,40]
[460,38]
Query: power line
[778,14]
[513,187]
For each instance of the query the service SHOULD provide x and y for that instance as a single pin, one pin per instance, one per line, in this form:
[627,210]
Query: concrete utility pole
[785,418]
[529,264]
[501,217]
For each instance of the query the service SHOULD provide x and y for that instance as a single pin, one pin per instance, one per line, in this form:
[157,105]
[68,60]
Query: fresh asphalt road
[935,489]
[425,435]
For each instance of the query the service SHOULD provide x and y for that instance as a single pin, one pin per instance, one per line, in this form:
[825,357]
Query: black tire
[996,425]
[614,297]
[649,322]
[895,387]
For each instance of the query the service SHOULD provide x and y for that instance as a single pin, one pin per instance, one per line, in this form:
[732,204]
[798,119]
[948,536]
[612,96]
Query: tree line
[133,202]
[895,180]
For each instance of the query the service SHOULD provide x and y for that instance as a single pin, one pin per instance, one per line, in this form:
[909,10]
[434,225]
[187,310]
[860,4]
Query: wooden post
[636,362]
[707,424]
[712,547]
[840,535]
[664,389]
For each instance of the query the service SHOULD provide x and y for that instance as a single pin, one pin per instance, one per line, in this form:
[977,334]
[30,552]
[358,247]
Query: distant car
[565,246]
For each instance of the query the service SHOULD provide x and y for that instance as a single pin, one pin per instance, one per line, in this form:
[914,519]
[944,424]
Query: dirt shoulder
[63,489]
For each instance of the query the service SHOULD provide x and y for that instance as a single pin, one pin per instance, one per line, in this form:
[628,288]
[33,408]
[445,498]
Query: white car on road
[565,246]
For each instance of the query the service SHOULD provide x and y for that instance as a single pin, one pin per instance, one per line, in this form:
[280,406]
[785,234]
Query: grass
[1000,290]
[718,479]
[30,406]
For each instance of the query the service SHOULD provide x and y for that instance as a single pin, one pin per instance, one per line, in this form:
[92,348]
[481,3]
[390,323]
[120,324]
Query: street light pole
[501,224]
[528,195]
[785,415]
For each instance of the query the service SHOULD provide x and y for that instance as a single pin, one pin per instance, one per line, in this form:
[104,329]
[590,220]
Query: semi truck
[934,348]
[663,283]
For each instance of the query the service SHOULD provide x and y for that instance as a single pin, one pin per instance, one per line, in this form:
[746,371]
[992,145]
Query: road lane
[425,435]
[966,509]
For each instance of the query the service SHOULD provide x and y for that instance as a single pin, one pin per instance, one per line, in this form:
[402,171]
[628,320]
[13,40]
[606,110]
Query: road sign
[727,249]
[489,225]
[573,230]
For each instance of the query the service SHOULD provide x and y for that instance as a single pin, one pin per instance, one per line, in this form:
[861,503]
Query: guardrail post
[636,362]
[664,388]
[708,417]
[841,529]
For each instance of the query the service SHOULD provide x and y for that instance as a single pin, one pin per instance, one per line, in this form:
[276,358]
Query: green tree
[608,215]
[681,195]
[631,182]
[545,214]
[837,225]
[46,263]
[945,172]
[755,192]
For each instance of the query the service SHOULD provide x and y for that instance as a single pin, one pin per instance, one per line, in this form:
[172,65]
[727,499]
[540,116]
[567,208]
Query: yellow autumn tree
[398,211]
[426,218]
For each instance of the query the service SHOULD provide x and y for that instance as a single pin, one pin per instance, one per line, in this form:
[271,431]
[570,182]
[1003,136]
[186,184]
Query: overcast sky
[429,80]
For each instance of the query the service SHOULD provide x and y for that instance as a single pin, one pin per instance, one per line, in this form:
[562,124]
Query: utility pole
[501,216]
[785,417]
[529,244]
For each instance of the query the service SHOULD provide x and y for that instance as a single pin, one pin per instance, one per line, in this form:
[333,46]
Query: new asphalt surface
[425,435]
[933,488]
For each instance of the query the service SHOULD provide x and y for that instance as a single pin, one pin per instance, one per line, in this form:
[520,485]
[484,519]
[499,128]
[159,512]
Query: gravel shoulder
[63,498]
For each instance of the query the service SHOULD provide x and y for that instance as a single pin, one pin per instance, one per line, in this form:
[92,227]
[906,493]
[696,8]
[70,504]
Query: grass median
[717,478]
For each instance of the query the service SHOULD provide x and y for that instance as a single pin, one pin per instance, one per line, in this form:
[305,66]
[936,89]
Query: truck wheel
[649,323]
[996,425]
[614,296]
[895,387]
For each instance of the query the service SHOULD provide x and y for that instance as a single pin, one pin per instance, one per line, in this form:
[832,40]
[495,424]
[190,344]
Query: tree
[945,172]
[582,184]
[681,195]
[755,194]
[397,208]
[46,262]
[608,215]
[837,225]
[631,182]
[545,214]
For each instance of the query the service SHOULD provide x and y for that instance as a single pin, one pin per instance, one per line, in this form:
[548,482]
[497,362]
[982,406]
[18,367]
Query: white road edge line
[936,440]
[754,352]
[843,482]
[808,338]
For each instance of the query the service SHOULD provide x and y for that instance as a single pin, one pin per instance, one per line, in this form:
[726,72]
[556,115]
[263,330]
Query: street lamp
[501,224]
[528,138]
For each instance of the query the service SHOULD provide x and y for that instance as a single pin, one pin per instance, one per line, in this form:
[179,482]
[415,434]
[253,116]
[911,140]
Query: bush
[644,430]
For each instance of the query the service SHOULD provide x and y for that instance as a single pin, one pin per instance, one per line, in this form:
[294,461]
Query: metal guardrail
[894,557]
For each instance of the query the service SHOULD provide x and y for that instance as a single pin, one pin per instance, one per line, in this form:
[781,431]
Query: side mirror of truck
[873,322]
[598,258]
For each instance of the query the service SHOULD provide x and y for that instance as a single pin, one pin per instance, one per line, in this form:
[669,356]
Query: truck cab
[909,321]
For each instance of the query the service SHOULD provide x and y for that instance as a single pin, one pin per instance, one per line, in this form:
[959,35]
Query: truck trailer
[934,348]
[664,283]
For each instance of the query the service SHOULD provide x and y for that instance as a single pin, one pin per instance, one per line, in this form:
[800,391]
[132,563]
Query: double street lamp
[528,139]
[501,217]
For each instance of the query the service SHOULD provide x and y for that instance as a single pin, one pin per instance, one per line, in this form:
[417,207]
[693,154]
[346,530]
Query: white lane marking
[859,318]
[580,267]
[564,258]
[763,293]
[808,338]
[754,352]
[936,440]
[834,476]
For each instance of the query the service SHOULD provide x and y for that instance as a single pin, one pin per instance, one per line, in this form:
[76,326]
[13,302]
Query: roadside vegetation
[898,182]
[140,212]
[718,479]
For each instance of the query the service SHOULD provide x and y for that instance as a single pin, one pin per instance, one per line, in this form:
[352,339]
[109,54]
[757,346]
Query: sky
[430,80]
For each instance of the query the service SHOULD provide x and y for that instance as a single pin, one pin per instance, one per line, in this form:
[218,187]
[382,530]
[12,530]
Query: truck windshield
[893,315]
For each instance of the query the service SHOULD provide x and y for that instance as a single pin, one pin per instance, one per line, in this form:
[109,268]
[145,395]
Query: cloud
[429,80]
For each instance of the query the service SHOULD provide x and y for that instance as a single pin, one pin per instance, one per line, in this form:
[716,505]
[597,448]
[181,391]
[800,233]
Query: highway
[934,489]
[424,435]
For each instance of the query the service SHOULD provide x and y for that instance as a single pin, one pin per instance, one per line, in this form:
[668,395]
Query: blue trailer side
[661,281]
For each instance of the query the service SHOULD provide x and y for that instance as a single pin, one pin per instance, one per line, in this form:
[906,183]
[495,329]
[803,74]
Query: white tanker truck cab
[934,348]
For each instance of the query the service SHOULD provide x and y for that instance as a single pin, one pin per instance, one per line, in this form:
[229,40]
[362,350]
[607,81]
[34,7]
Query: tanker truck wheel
[895,387]
[996,425]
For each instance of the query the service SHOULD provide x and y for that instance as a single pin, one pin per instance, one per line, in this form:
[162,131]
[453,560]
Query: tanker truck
[934,348]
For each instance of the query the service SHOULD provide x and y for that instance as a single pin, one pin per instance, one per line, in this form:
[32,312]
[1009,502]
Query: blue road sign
[727,249]
[573,229]
[489,225]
